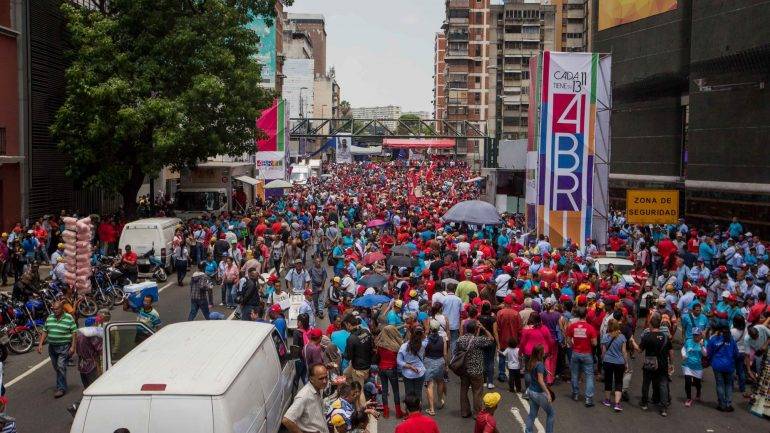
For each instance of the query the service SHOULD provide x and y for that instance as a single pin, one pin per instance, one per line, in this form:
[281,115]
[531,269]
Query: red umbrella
[375,223]
[373,257]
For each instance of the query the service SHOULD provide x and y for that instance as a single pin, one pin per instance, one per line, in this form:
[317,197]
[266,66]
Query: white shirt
[502,285]
[463,248]
[348,285]
[512,358]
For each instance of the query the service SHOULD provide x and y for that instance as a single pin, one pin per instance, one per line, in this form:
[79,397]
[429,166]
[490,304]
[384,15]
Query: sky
[382,51]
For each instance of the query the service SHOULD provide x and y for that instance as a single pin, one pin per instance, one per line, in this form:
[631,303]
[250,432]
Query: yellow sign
[616,12]
[652,206]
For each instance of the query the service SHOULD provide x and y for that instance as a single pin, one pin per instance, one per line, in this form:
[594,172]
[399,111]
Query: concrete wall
[299,74]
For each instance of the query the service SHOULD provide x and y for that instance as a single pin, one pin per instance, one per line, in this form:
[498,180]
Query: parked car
[194,377]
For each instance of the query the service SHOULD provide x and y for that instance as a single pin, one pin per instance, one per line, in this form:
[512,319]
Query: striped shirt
[150,318]
[60,331]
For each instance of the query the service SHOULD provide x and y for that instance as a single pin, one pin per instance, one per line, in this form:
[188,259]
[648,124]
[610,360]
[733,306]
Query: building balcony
[456,101]
[457,36]
[457,54]
[575,14]
[457,85]
[458,21]
[458,4]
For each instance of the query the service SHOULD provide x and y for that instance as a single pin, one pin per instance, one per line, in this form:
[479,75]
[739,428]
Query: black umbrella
[473,212]
[401,250]
[402,261]
[373,280]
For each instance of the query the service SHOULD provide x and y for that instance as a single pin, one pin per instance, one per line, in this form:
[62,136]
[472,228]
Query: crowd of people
[411,298]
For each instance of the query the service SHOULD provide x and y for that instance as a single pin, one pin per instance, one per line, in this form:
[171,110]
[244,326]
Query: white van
[151,233]
[218,376]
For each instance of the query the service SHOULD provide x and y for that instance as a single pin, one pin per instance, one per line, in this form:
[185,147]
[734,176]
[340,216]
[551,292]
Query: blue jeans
[454,334]
[501,367]
[390,376]
[333,312]
[582,362]
[536,401]
[740,371]
[489,364]
[201,305]
[58,354]
[227,295]
[724,382]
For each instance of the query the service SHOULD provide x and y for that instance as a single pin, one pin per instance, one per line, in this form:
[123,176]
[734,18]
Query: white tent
[278,184]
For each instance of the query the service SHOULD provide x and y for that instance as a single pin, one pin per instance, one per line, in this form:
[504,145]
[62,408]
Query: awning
[419,143]
[278,184]
[247,179]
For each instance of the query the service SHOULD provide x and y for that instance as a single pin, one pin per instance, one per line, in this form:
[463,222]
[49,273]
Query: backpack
[651,363]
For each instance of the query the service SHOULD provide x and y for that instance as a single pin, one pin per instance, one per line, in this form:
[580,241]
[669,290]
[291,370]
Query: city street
[30,379]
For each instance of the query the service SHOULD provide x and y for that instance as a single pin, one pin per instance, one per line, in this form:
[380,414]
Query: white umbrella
[278,184]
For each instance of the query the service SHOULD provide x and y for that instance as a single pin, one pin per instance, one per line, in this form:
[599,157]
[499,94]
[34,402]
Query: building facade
[439,77]
[11,91]
[467,60]
[314,26]
[691,108]
[385,112]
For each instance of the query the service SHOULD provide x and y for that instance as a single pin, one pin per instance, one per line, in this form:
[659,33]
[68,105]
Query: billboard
[652,206]
[271,151]
[271,165]
[567,126]
[616,12]
[267,50]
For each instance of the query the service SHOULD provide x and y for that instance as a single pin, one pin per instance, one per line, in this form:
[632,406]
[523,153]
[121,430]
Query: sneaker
[625,396]
[663,413]
[606,402]
[575,397]
[490,386]
[616,407]
[688,403]
[643,406]
[589,403]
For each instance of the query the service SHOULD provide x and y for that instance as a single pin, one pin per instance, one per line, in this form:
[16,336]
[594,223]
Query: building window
[2,141]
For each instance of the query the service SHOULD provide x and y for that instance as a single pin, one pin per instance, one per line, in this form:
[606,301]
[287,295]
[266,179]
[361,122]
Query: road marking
[525,404]
[519,419]
[164,287]
[28,372]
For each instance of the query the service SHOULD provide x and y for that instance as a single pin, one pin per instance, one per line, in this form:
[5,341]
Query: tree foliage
[411,124]
[155,83]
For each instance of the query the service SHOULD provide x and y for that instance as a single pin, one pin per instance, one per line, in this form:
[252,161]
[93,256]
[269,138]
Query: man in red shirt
[508,326]
[128,262]
[581,336]
[416,422]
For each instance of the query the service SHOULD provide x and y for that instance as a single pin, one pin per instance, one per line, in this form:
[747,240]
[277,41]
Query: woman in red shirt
[388,343]
[535,334]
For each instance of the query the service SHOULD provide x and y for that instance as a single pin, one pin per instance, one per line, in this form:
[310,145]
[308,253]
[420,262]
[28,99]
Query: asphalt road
[30,383]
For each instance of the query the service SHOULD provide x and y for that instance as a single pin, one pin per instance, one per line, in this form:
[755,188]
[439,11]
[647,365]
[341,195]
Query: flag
[273,123]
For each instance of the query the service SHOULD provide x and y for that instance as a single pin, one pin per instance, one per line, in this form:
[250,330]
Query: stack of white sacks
[77,253]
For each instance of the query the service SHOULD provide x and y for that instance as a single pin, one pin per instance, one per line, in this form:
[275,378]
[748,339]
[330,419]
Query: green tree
[411,124]
[345,111]
[155,83]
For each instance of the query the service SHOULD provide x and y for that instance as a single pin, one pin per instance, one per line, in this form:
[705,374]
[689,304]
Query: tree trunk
[130,189]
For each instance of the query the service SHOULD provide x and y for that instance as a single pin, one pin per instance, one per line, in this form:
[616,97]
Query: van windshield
[200,200]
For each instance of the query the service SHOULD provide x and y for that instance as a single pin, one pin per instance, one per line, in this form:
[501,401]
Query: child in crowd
[511,354]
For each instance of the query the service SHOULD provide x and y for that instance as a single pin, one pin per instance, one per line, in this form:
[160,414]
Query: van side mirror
[294,352]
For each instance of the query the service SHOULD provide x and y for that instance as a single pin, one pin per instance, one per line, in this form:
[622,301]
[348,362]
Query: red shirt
[485,423]
[756,312]
[276,228]
[260,229]
[581,333]
[130,258]
[416,422]
[331,328]
[387,359]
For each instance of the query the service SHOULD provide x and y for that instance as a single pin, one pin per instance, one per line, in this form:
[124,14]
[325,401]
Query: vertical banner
[531,176]
[271,151]
[342,152]
[566,149]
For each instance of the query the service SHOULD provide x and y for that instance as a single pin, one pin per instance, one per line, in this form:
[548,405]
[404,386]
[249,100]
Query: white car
[621,265]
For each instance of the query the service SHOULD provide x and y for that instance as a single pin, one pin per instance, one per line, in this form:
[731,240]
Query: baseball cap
[726,294]
[492,399]
[308,292]
[564,298]
[413,293]
[297,261]
[336,279]
[508,299]
[337,420]
[276,308]
[696,331]
[399,303]
[434,324]
[315,333]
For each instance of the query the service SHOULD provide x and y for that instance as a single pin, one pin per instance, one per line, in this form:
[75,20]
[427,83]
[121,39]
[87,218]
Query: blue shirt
[693,353]
[280,326]
[614,349]
[452,306]
[534,385]
[340,339]
[405,356]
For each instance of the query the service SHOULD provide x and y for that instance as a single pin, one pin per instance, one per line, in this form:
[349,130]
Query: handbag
[651,363]
[457,363]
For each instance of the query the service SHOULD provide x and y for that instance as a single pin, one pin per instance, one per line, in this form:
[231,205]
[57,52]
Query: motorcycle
[13,336]
[105,292]
[156,266]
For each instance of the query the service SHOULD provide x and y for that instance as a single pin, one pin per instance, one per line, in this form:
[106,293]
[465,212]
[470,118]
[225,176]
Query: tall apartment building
[439,78]
[467,58]
[521,29]
[386,112]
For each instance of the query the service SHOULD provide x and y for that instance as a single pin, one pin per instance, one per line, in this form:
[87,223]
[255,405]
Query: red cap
[622,293]
[732,298]
[507,269]
[276,308]
[582,300]
[477,301]
[701,293]
[426,272]
[564,298]
[536,259]
[546,254]
[315,333]
[508,300]
[308,292]
[272,278]
[612,298]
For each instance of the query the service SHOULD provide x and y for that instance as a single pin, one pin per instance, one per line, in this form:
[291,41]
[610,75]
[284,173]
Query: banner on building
[652,206]
[267,50]
[271,150]
[616,12]
[566,146]
[343,149]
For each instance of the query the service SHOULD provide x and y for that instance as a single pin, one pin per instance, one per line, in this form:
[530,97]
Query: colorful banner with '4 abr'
[566,147]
